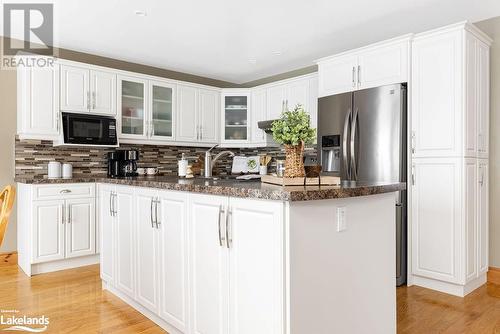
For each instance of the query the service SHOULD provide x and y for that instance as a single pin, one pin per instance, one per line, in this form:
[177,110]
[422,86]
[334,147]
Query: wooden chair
[7,197]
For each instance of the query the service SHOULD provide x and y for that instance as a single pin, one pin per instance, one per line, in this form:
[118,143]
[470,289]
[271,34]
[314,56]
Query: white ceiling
[217,38]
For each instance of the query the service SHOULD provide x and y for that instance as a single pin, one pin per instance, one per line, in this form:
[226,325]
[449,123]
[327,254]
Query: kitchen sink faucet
[210,162]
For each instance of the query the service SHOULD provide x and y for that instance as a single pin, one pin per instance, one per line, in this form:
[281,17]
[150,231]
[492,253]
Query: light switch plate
[341,219]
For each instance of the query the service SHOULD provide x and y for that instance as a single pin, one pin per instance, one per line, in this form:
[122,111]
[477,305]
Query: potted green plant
[294,130]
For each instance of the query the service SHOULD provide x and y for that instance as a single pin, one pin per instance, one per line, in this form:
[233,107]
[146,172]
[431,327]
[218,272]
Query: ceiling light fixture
[252,61]
[140,13]
[277,53]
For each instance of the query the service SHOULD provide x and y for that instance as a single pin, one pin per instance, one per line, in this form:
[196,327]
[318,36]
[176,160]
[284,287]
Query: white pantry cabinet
[375,65]
[38,102]
[58,228]
[450,115]
[86,89]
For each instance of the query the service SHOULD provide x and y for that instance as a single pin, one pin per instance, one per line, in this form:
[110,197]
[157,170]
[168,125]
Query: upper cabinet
[132,94]
[198,115]
[85,89]
[375,65]
[235,117]
[38,102]
[450,83]
[161,106]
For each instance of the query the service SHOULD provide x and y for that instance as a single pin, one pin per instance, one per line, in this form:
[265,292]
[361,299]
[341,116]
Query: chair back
[7,197]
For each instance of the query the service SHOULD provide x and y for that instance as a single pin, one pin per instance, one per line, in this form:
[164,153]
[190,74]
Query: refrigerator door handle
[347,122]
[354,126]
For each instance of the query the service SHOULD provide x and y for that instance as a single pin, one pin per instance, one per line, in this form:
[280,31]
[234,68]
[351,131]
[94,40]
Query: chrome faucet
[210,162]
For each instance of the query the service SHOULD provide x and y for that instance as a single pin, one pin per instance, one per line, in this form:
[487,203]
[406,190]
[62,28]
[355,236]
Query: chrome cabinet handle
[111,204]
[94,97]
[228,237]
[115,198]
[201,132]
[354,126]
[359,75]
[413,139]
[413,177]
[354,76]
[69,214]
[481,182]
[152,126]
[57,121]
[158,222]
[151,213]
[65,191]
[63,215]
[347,122]
[88,100]
[221,238]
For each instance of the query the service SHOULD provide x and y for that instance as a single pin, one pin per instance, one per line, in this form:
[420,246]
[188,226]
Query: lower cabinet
[449,223]
[56,227]
[202,263]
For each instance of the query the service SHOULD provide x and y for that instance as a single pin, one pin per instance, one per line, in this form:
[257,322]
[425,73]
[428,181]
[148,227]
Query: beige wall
[492,28]
[7,134]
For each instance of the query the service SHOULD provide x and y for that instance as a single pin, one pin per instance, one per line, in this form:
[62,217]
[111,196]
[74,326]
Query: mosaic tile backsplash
[32,156]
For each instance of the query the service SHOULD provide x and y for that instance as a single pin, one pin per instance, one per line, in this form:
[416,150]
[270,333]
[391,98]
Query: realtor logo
[28,28]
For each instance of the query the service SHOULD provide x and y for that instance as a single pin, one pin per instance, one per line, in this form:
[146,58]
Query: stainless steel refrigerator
[362,139]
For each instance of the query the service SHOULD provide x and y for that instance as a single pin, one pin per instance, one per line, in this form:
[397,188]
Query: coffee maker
[123,163]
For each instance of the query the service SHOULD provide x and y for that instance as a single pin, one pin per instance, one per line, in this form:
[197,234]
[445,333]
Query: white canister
[54,170]
[67,171]
[263,170]
[183,164]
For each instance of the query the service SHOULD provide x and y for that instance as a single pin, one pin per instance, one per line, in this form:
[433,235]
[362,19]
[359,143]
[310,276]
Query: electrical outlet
[341,219]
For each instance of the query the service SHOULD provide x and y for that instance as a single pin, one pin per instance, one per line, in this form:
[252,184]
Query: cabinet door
[187,114]
[132,94]
[471,101]
[209,115]
[209,263]
[313,104]
[437,227]
[75,95]
[235,124]
[80,227]
[123,206]
[147,249]
[173,257]
[470,214]
[383,66]
[337,75]
[276,97]
[483,218]
[483,96]
[256,272]
[38,105]
[162,110]
[106,231]
[297,92]
[103,92]
[48,231]
[437,95]
[258,113]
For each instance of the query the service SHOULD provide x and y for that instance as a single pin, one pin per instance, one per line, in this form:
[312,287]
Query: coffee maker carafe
[123,163]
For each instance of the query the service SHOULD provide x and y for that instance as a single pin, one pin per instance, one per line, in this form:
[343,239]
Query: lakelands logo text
[24,323]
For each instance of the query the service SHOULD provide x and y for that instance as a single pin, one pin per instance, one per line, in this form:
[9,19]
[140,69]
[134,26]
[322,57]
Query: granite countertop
[237,188]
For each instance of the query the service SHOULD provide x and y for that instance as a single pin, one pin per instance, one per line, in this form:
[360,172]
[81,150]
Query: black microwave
[89,129]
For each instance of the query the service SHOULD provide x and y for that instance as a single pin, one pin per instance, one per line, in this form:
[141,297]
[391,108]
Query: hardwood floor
[75,303]
[72,300]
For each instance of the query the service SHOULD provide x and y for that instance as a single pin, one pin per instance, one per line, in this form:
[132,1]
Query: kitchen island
[227,256]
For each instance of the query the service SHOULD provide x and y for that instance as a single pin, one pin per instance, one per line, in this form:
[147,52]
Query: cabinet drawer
[62,191]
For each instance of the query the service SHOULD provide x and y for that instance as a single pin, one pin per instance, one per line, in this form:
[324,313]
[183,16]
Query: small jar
[280,168]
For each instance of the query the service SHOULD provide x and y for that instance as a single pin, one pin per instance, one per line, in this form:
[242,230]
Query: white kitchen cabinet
[146,218]
[80,227]
[209,115]
[482,215]
[133,120]
[84,89]
[107,221]
[187,105]
[38,102]
[375,65]
[173,255]
[124,239]
[259,113]
[253,222]
[58,224]
[48,230]
[209,265]
[162,112]
[483,96]
[235,122]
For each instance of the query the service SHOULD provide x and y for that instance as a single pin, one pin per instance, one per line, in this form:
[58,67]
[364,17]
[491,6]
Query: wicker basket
[294,160]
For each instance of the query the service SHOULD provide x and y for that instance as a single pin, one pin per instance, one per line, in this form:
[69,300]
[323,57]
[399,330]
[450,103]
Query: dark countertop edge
[280,194]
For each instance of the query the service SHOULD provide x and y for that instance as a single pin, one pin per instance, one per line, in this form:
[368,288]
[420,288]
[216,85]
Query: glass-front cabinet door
[132,94]
[235,120]
[162,113]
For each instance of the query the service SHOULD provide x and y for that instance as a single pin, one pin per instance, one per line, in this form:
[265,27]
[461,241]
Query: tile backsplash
[32,156]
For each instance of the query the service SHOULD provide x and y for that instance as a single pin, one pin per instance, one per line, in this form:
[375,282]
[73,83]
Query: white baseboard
[144,311]
[450,288]
[46,267]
